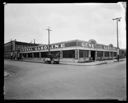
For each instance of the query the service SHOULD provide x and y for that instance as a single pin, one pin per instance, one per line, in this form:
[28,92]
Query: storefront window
[69,54]
[106,54]
[115,54]
[99,53]
[83,53]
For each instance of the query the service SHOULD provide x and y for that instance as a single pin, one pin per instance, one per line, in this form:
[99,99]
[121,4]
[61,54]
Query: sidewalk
[94,63]
[89,63]
[38,60]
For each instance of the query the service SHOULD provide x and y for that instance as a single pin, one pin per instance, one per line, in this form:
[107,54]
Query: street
[58,81]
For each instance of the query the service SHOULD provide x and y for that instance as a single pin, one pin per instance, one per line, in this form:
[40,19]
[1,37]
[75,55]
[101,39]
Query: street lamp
[117,20]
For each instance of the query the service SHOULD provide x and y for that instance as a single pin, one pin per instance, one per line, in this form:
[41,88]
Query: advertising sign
[69,44]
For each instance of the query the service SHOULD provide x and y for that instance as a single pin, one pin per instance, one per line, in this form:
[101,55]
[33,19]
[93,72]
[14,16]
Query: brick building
[14,47]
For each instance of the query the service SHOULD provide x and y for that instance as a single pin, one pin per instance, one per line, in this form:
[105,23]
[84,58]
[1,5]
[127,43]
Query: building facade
[74,51]
[13,47]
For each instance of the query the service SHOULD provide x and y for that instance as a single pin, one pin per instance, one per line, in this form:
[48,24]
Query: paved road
[52,81]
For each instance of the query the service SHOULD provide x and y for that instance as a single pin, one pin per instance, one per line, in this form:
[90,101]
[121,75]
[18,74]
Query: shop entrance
[93,55]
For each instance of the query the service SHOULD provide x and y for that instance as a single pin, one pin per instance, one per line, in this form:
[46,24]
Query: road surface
[52,81]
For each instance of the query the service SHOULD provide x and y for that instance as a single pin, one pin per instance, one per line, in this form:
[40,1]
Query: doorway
[93,55]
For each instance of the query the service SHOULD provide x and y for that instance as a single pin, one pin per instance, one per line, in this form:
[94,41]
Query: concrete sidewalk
[89,63]
[39,60]
[94,63]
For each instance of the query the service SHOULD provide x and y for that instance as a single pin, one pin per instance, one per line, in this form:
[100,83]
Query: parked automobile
[52,59]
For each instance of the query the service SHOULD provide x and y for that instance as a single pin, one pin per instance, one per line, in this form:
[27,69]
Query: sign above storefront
[69,44]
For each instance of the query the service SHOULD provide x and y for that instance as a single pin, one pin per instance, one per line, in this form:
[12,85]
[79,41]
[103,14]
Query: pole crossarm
[117,19]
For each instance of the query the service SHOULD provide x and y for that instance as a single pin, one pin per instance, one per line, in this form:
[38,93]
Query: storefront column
[61,54]
[112,55]
[32,55]
[84,55]
[109,54]
[39,54]
[103,54]
[77,54]
[89,54]
[95,55]
[26,55]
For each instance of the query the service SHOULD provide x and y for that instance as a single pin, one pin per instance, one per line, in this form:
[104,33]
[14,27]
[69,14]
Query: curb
[104,62]
[85,64]
[69,63]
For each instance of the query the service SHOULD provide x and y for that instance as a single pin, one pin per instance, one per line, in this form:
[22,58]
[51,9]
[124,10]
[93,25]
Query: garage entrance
[93,55]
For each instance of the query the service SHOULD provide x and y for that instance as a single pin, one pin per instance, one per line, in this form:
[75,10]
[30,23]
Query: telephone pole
[49,39]
[117,20]
[34,41]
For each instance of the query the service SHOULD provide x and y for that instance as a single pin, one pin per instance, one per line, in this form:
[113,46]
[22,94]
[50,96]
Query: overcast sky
[68,21]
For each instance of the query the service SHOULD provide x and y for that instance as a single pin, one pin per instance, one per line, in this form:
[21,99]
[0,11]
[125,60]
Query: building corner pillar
[109,54]
[26,55]
[77,54]
[61,54]
[32,55]
[112,54]
[95,55]
[103,55]
[39,54]
[89,54]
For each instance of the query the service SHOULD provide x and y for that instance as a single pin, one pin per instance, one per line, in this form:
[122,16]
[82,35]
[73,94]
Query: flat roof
[22,43]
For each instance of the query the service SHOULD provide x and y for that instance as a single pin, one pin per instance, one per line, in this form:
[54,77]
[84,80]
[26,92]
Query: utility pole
[49,39]
[34,41]
[117,20]
[11,45]
[11,54]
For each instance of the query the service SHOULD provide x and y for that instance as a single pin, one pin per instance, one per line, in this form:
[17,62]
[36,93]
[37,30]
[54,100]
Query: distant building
[14,47]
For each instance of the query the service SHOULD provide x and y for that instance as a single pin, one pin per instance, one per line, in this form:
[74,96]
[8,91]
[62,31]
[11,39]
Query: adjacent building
[13,47]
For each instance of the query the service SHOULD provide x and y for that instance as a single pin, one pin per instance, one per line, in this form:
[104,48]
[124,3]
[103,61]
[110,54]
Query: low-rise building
[74,51]
[13,47]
